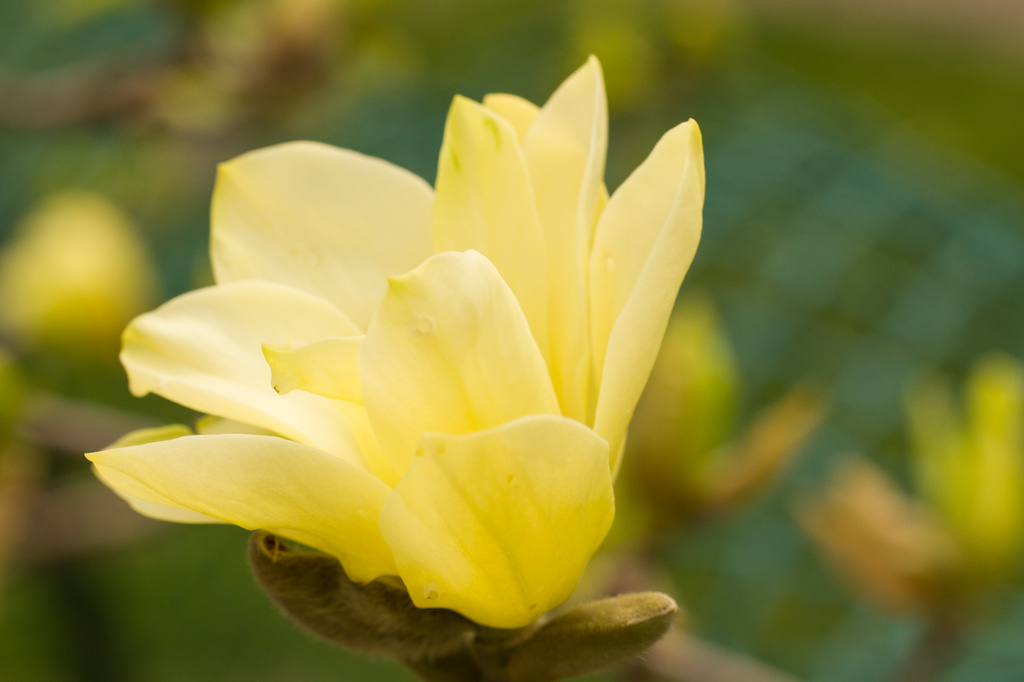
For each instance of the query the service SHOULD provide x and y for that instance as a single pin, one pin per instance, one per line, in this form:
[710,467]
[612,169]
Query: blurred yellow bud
[193,100]
[701,26]
[74,274]
[886,545]
[752,462]
[970,467]
[680,445]
[617,33]
[689,405]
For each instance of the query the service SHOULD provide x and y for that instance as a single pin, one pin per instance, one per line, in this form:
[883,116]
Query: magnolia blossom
[429,384]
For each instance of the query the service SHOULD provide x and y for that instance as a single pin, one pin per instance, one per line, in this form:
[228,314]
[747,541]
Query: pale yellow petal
[369,446]
[326,220]
[208,425]
[151,435]
[203,350]
[484,202]
[262,482]
[498,525]
[565,154]
[329,367]
[645,241]
[449,350]
[165,511]
[519,112]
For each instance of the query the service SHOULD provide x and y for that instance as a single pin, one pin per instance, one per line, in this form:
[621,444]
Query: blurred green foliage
[863,224]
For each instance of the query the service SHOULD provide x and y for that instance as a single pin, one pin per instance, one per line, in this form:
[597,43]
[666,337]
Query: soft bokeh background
[864,223]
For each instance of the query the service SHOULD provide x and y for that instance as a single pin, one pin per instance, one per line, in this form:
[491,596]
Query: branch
[680,657]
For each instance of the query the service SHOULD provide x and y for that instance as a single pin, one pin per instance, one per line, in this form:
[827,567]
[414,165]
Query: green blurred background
[864,222]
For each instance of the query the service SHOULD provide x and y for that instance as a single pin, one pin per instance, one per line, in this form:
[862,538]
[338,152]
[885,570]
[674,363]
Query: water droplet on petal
[424,324]
[431,592]
[609,264]
[312,259]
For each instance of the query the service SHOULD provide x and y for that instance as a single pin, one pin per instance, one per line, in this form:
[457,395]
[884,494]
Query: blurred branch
[70,426]
[932,654]
[40,524]
[680,657]
[17,489]
[78,519]
[75,94]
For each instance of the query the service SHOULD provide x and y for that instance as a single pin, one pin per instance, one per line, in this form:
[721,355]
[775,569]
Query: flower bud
[686,460]
[689,405]
[890,548]
[313,590]
[592,637]
[970,468]
[74,275]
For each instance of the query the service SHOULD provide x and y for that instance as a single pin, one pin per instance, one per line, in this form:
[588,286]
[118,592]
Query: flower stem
[932,654]
[680,657]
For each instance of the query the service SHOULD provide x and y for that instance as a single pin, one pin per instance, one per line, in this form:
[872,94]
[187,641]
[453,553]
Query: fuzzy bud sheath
[442,646]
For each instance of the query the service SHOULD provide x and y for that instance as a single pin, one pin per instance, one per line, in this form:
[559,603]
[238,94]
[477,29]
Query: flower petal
[498,525]
[484,202]
[449,350]
[208,425]
[165,511]
[369,446]
[262,482]
[151,434]
[326,220]
[565,153]
[645,241]
[329,368]
[519,112]
[203,350]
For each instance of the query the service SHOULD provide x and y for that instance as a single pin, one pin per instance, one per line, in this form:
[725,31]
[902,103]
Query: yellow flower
[455,370]
[75,274]
[971,469]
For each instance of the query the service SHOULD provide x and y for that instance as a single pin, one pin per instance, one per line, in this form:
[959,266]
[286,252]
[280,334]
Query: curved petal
[262,482]
[164,511]
[326,220]
[565,153]
[519,112]
[151,434]
[498,525]
[329,368]
[484,202]
[369,446]
[208,425]
[203,350]
[644,244]
[449,350]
